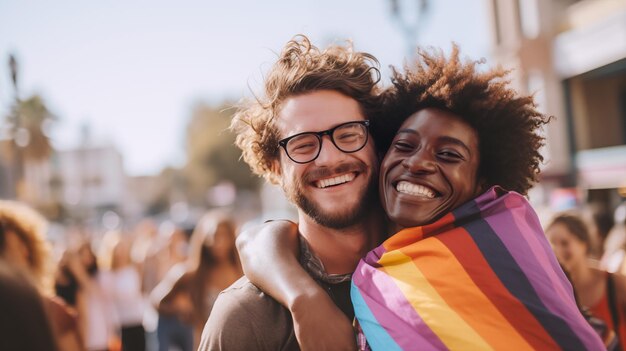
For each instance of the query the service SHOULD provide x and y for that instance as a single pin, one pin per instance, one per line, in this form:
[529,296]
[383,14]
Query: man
[310,134]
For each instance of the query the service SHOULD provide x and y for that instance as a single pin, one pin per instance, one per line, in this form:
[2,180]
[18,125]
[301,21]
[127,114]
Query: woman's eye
[450,155]
[403,146]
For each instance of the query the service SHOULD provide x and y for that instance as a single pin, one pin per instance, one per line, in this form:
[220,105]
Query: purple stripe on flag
[530,249]
[374,256]
[409,330]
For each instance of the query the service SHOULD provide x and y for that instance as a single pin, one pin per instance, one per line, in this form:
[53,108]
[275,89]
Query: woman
[24,324]
[604,294]
[185,296]
[96,312]
[23,245]
[469,266]
[123,284]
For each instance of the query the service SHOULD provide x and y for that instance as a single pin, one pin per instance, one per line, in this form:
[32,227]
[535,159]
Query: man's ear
[276,170]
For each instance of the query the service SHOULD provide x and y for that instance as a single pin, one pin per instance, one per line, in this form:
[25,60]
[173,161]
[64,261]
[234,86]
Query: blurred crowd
[590,246]
[148,288]
[152,287]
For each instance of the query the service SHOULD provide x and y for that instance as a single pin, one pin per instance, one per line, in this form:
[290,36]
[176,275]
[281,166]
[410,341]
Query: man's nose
[329,153]
[422,161]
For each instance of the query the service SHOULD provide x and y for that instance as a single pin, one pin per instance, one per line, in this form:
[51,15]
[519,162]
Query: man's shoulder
[243,297]
[244,289]
[243,317]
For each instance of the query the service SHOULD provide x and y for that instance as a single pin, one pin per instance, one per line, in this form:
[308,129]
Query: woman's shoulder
[599,275]
[63,317]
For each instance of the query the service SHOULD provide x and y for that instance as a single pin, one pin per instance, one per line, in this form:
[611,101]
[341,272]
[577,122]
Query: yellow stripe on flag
[451,329]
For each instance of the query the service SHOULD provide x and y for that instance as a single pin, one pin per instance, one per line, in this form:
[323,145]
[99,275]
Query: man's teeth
[414,189]
[324,183]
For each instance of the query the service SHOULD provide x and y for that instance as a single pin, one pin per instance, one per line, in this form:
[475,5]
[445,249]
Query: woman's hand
[320,325]
[269,256]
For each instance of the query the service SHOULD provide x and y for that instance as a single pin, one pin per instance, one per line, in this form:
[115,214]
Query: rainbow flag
[483,277]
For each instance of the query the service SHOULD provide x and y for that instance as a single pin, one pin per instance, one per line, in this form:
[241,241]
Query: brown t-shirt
[245,318]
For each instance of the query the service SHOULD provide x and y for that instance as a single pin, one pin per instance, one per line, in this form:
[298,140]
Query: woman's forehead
[441,125]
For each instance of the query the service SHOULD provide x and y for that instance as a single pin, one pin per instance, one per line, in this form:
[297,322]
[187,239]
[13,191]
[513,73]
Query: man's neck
[341,249]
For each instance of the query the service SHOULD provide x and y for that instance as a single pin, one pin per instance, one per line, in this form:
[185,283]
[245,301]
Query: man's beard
[336,219]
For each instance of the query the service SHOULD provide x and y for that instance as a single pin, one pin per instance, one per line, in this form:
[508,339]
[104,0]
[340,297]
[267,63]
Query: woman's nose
[420,162]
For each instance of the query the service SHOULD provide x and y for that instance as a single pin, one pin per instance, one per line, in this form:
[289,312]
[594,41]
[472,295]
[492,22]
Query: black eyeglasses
[305,147]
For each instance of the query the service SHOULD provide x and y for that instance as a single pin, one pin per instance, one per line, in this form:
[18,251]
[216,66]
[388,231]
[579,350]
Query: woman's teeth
[324,183]
[414,189]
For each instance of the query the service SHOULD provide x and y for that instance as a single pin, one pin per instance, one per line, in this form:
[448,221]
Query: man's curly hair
[302,68]
[507,124]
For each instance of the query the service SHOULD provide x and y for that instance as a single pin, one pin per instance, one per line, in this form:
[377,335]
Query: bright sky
[132,70]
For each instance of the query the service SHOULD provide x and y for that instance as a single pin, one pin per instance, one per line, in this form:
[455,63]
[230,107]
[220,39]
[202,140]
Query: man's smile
[336,180]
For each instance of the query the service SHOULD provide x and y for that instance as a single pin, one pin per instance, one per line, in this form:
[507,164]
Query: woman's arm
[269,256]
[77,269]
[169,296]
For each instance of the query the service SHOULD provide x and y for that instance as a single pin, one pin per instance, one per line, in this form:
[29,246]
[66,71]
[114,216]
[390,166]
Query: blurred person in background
[96,312]
[162,249]
[65,285]
[603,293]
[145,250]
[23,245]
[155,250]
[24,324]
[615,243]
[607,334]
[176,248]
[145,241]
[603,221]
[186,295]
[123,286]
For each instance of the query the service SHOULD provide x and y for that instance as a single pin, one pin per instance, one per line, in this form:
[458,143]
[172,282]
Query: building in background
[90,181]
[572,56]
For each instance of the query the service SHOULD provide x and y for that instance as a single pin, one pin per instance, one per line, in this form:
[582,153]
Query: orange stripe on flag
[469,256]
[455,286]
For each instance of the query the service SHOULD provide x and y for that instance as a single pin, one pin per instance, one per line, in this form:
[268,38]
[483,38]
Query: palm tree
[30,123]
[31,149]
